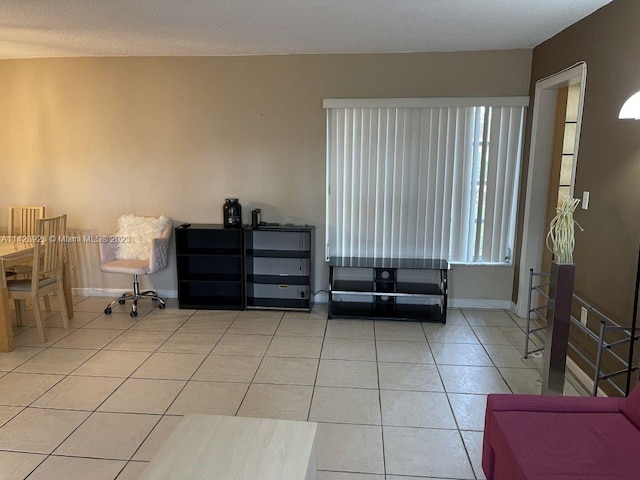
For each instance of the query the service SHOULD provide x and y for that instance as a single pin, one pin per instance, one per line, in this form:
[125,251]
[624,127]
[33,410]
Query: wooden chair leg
[21,312]
[63,306]
[38,315]
[47,303]
[6,334]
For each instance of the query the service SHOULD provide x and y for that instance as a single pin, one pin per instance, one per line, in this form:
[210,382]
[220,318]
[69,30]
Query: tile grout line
[375,344]
[181,389]
[95,410]
[205,356]
[259,365]
[90,413]
[495,365]
[64,376]
[446,392]
[315,378]
[252,382]
[186,382]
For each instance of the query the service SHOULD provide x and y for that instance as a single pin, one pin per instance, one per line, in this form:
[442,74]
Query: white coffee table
[236,448]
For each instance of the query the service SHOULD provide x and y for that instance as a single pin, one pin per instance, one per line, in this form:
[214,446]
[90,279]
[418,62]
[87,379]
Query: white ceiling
[67,28]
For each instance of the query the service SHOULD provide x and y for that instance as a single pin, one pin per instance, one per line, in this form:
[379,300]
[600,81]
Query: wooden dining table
[16,253]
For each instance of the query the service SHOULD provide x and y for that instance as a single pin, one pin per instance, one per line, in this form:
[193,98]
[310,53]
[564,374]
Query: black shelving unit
[279,267]
[388,288]
[210,266]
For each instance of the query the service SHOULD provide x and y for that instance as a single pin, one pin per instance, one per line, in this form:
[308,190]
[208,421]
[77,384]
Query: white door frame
[540,154]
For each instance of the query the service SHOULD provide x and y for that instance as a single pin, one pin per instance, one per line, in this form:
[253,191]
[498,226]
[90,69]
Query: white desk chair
[140,247]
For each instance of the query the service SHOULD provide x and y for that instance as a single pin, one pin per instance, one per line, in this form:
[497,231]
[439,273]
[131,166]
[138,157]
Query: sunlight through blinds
[427,182]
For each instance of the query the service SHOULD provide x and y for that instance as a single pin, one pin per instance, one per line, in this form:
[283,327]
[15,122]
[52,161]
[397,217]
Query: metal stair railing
[536,326]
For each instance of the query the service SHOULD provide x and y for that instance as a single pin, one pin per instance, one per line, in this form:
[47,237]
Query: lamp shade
[631,108]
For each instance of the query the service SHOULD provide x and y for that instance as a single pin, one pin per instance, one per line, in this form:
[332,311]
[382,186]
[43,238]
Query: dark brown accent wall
[609,153]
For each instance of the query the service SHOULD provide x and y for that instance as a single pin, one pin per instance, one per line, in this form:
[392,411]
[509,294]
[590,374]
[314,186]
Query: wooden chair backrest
[22,220]
[48,255]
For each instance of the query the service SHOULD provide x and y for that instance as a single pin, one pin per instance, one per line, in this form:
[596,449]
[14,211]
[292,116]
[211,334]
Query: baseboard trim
[116,292]
[479,303]
[321,297]
[582,379]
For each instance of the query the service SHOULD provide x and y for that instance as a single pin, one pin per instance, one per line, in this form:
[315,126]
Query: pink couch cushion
[551,403]
[564,446]
[631,406]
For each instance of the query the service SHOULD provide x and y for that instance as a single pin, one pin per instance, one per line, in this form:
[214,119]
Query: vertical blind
[435,181]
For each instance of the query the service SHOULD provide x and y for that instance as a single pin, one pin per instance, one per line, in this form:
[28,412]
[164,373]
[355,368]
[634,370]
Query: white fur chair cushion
[137,233]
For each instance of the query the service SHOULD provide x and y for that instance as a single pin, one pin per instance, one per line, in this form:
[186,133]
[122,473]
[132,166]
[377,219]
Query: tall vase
[557,332]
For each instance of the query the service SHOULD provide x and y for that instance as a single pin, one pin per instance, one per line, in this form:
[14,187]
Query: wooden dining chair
[22,227]
[46,271]
[22,220]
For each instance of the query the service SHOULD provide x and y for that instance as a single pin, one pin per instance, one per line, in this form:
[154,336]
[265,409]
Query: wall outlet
[583,316]
[585,200]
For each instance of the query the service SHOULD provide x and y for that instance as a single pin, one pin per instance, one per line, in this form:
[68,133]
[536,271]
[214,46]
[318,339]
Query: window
[430,178]
[568,165]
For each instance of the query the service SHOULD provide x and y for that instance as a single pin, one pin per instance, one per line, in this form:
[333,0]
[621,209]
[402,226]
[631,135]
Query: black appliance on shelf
[232,213]
[256,218]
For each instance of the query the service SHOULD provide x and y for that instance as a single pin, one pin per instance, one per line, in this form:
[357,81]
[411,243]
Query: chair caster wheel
[107,311]
[134,314]
[162,306]
[121,301]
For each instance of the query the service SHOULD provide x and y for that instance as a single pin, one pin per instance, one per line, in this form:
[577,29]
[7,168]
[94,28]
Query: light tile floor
[394,400]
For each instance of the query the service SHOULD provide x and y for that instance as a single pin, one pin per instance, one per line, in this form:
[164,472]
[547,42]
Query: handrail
[604,347]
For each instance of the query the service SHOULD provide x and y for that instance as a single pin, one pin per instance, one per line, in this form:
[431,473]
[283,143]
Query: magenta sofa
[533,437]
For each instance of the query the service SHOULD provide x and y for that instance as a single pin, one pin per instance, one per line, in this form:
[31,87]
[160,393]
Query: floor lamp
[631,110]
[634,321]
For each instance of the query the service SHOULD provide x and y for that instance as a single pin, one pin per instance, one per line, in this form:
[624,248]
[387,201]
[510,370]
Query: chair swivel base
[135,296]
[134,306]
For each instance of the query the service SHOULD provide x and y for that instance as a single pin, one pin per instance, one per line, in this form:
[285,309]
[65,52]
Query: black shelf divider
[274,253]
[279,279]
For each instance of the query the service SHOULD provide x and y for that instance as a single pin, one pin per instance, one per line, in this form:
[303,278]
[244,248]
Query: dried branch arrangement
[561,234]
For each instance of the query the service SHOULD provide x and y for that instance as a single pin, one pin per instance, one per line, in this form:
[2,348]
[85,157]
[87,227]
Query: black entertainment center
[271,267]
[234,268]
[388,288]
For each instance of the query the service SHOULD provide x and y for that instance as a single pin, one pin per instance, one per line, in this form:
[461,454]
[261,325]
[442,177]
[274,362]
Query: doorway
[540,188]
[563,160]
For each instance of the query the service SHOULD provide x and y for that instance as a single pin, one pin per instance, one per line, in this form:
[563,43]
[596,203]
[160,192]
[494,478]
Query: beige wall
[98,137]
[608,165]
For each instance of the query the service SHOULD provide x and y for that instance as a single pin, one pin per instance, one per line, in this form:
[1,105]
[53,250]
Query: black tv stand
[388,288]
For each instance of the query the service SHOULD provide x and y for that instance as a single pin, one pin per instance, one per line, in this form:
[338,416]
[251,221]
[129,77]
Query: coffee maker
[232,213]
